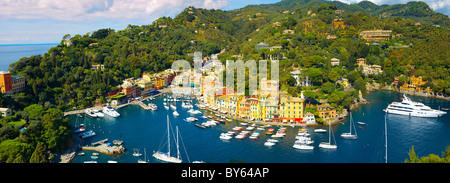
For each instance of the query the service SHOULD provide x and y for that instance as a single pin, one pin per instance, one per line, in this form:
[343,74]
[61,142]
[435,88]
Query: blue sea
[141,129]
[10,53]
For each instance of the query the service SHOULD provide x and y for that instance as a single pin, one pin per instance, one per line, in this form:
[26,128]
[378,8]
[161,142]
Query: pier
[145,107]
[105,149]
[99,142]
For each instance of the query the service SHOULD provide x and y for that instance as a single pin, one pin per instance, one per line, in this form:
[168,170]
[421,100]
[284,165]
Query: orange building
[5,82]
[326,112]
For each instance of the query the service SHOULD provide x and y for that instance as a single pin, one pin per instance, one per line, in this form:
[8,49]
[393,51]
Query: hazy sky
[47,21]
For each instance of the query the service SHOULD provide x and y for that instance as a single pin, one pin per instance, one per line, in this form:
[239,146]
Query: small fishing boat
[320,131]
[200,126]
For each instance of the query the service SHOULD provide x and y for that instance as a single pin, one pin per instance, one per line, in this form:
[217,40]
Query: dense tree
[40,154]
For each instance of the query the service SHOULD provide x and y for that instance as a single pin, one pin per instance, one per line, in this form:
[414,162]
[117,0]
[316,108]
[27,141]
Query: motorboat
[87,134]
[303,146]
[90,113]
[269,143]
[410,108]
[320,131]
[175,113]
[167,107]
[238,128]
[153,107]
[191,119]
[240,136]
[272,140]
[110,111]
[225,136]
[98,113]
[81,129]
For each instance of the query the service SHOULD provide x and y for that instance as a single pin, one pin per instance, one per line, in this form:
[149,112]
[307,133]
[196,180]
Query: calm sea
[141,129]
[10,53]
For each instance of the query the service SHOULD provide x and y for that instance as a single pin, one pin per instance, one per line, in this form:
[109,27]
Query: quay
[105,149]
[145,107]
[99,142]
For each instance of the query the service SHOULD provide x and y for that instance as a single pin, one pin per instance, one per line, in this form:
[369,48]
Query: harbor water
[141,129]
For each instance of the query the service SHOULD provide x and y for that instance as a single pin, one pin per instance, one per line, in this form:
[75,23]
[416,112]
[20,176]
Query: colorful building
[326,112]
[5,82]
[291,110]
[416,84]
[10,84]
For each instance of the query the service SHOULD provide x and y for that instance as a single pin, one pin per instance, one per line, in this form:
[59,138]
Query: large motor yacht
[410,108]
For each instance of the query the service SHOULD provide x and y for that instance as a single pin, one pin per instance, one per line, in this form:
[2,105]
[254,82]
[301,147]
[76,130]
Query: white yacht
[98,113]
[90,113]
[165,156]
[175,113]
[410,108]
[110,111]
[153,107]
[349,135]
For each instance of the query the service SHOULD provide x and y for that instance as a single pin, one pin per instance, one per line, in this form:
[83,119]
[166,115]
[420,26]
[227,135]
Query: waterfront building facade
[291,110]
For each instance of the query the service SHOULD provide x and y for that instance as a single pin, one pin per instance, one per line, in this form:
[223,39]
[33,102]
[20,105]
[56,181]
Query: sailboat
[145,157]
[327,145]
[350,135]
[165,156]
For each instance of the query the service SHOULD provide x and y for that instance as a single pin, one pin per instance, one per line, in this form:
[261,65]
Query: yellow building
[415,83]
[291,109]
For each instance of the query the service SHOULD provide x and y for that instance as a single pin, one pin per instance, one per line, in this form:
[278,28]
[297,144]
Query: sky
[47,21]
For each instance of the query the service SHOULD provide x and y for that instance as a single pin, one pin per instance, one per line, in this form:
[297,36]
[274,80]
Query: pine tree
[39,155]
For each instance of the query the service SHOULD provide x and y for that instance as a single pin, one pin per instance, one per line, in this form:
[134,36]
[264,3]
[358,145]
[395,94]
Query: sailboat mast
[329,133]
[385,137]
[178,149]
[168,136]
[350,123]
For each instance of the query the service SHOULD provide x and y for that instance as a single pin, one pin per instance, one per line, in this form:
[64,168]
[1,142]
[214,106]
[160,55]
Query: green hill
[64,78]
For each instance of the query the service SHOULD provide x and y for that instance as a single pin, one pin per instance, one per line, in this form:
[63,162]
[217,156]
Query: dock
[145,107]
[105,149]
[99,142]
